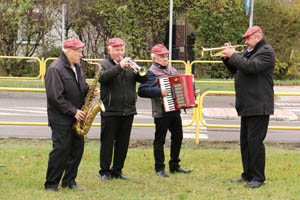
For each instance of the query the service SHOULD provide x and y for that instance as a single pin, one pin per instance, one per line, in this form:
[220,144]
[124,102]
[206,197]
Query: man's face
[161,59]
[74,55]
[252,40]
[117,53]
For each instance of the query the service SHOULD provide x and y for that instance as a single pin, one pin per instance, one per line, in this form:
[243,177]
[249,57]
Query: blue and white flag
[248,6]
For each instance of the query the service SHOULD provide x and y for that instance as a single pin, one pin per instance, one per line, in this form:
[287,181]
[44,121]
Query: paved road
[31,107]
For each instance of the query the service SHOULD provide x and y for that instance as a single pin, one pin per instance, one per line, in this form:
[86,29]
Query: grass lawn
[213,164]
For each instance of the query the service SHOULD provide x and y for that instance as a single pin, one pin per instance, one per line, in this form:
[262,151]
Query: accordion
[181,92]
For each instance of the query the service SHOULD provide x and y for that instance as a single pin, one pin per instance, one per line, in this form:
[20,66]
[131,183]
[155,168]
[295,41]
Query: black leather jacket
[64,94]
[118,89]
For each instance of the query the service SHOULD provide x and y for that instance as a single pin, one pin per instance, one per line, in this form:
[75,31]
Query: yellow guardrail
[43,66]
[196,117]
[26,58]
[209,62]
[200,107]
[195,111]
[22,89]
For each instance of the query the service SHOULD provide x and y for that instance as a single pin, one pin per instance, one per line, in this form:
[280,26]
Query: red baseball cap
[160,49]
[252,30]
[116,42]
[73,43]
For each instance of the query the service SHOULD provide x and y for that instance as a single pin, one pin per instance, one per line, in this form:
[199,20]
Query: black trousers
[162,125]
[252,134]
[115,136]
[65,156]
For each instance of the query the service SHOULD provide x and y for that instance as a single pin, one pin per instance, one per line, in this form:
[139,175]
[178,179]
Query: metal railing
[26,58]
[195,112]
[197,117]
[200,107]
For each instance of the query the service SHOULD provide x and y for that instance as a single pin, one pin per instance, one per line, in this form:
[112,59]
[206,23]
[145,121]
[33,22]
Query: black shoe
[105,177]
[75,187]
[239,180]
[52,189]
[180,170]
[119,176]
[162,173]
[254,184]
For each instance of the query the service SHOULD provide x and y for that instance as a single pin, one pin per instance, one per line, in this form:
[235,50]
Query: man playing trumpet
[118,94]
[253,72]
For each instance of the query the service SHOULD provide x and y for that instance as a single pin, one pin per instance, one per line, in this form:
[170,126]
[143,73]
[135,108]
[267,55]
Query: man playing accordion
[164,121]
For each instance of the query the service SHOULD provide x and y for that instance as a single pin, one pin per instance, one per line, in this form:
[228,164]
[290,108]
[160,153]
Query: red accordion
[181,92]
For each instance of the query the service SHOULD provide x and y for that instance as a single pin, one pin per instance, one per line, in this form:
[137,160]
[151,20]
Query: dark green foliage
[220,21]
[23,25]
[145,23]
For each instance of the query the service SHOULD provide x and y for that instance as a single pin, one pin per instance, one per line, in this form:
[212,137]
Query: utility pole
[170,30]
[63,27]
[251,14]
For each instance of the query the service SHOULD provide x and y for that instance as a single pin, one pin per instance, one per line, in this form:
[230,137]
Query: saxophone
[83,127]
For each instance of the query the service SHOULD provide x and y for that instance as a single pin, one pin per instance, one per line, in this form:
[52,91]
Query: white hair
[153,55]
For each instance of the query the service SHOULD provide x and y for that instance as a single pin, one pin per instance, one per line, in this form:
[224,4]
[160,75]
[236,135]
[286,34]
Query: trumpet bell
[143,71]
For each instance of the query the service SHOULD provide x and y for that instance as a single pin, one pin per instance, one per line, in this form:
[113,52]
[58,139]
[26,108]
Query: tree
[220,21]
[23,26]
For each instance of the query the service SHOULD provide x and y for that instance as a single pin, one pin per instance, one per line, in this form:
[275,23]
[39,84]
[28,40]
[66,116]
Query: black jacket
[118,89]
[64,94]
[254,80]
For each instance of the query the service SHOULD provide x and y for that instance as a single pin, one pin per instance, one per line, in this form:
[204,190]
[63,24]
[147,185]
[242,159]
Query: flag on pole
[247,6]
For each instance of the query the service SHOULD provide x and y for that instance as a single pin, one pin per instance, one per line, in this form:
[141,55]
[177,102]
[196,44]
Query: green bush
[50,51]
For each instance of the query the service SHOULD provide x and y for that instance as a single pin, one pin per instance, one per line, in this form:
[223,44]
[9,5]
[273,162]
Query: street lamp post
[170,30]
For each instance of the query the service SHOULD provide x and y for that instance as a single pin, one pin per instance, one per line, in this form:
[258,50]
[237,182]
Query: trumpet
[220,49]
[142,71]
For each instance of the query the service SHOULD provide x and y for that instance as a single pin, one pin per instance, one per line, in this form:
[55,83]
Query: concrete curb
[231,114]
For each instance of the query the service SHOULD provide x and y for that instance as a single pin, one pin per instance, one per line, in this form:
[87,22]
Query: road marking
[22,110]
[190,131]
[287,104]
[33,108]
[192,136]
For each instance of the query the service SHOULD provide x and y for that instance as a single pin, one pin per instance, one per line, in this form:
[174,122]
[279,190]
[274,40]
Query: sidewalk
[279,114]
[231,114]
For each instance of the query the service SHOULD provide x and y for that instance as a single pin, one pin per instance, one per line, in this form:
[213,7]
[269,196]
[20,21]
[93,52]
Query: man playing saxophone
[118,94]
[66,89]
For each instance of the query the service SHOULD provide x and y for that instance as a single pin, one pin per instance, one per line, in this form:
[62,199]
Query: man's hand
[96,92]
[197,91]
[164,92]
[227,53]
[80,115]
[124,62]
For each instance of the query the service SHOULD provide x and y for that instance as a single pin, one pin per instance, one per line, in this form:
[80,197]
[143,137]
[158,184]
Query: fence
[197,112]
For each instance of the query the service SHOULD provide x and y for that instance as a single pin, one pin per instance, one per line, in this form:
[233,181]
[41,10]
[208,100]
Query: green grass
[21,83]
[213,164]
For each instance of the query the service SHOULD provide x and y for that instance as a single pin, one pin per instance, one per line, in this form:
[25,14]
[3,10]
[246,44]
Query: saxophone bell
[101,106]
